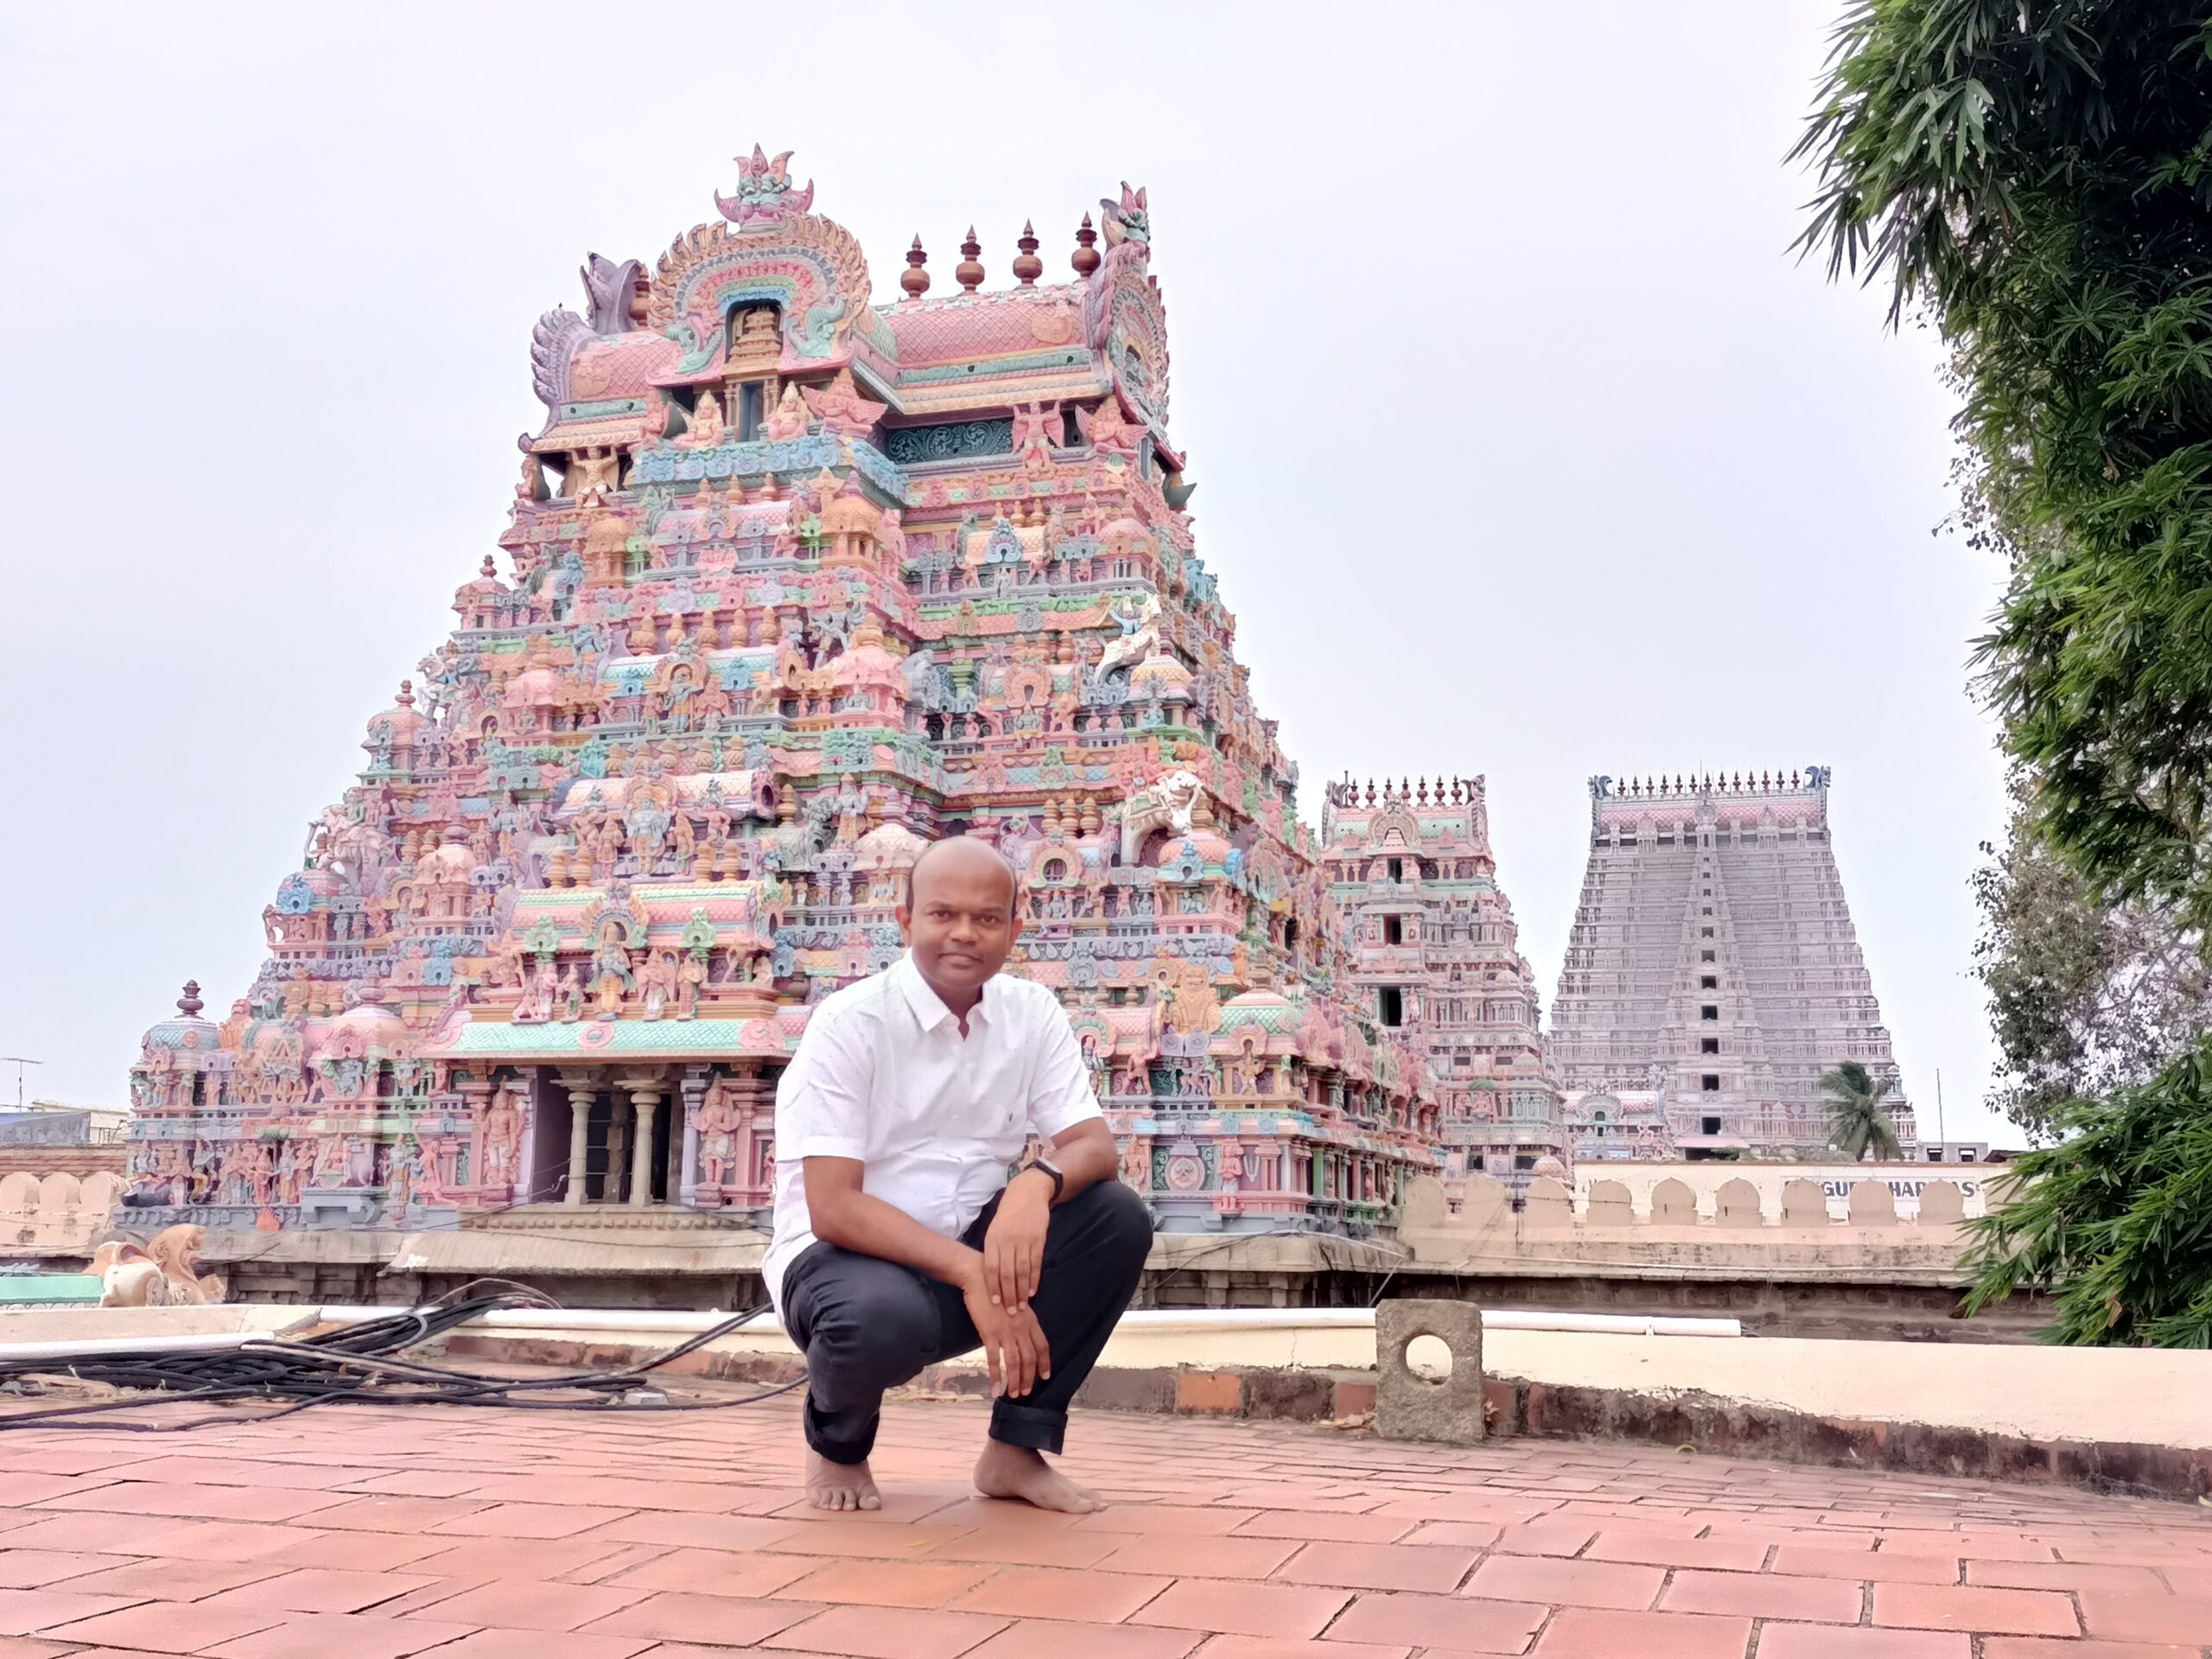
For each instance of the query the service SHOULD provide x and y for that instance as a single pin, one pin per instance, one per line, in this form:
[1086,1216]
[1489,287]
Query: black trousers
[866,1325]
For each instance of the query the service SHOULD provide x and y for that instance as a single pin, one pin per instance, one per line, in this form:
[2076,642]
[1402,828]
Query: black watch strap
[1059,1181]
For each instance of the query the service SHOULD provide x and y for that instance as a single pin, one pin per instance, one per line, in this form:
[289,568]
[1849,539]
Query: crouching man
[900,1240]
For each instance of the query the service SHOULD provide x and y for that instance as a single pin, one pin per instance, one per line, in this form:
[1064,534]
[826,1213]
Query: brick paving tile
[1198,1556]
[340,1635]
[2128,1617]
[24,1647]
[1985,1612]
[1458,1534]
[2066,1575]
[734,1532]
[1182,1519]
[197,1503]
[1241,1609]
[673,1616]
[1732,1554]
[526,1604]
[1546,1538]
[1010,1547]
[183,1626]
[27,1612]
[354,1551]
[1027,1638]
[904,1502]
[319,1590]
[1045,1592]
[27,1569]
[1594,1633]
[527,1521]
[2038,1647]
[408,1515]
[1846,1641]
[545,1644]
[976,1511]
[18,1488]
[225,1540]
[1762,1595]
[1618,1584]
[97,1534]
[1336,1528]
[715,1573]
[418,1482]
[158,1581]
[609,1491]
[1268,1647]
[889,1633]
[1378,1566]
[1457,1623]
[902,1542]
[512,1558]
[887,1584]
[2000,1547]
[1824,1561]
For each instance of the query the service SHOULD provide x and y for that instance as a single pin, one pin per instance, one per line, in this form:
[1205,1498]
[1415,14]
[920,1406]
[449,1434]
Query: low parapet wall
[1796,1235]
[55,1214]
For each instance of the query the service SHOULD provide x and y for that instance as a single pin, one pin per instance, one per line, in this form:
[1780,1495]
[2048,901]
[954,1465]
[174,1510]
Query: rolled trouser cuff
[846,1449]
[1040,1428]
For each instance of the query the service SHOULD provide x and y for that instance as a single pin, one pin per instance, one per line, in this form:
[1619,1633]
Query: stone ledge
[1512,1407]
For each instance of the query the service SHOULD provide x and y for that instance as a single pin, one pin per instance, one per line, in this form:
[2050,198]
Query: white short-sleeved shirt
[883,1074]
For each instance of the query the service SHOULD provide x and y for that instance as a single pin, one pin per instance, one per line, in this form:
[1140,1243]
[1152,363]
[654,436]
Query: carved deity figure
[718,1124]
[502,1138]
[690,979]
[707,428]
[1140,636]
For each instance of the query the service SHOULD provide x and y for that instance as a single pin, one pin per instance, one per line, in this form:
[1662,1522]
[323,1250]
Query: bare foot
[1016,1472]
[840,1485]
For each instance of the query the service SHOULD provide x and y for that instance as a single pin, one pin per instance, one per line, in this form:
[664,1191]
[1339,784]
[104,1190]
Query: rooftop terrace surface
[378,1532]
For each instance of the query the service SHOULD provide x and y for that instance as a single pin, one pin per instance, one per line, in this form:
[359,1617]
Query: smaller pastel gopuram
[794,581]
[1436,953]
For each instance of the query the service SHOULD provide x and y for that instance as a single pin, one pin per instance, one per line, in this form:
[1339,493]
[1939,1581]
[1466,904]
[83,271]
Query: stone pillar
[685,1188]
[645,1095]
[618,1143]
[582,1090]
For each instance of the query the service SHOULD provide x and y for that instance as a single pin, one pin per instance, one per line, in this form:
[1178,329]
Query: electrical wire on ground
[359,1364]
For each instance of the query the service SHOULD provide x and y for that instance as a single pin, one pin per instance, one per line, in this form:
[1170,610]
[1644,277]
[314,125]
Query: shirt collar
[929,1007]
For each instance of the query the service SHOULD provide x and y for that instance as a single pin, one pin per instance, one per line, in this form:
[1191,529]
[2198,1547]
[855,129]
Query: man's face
[960,921]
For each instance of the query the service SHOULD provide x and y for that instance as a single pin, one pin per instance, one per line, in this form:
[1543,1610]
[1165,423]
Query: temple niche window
[756,344]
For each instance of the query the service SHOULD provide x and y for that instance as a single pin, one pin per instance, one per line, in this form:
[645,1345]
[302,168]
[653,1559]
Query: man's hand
[1014,1349]
[1013,1245]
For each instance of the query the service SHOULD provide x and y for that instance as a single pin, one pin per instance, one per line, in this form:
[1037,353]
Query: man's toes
[870,1501]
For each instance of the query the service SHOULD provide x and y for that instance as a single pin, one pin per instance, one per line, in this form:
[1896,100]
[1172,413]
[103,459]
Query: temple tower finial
[915,279]
[1027,267]
[1087,257]
[969,271]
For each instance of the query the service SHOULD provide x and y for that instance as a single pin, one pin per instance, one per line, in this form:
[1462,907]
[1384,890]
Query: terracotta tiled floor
[497,1534]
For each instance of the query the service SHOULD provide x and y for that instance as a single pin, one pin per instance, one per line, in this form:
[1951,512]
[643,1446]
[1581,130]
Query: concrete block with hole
[1435,1396]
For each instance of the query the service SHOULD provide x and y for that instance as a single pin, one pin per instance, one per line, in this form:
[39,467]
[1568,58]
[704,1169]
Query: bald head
[961,917]
[960,858]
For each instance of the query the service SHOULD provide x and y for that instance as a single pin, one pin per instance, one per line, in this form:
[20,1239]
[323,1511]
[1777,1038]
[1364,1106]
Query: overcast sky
[1525,446]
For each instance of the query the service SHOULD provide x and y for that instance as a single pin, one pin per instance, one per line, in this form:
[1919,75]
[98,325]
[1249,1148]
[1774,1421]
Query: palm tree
[1859,1122]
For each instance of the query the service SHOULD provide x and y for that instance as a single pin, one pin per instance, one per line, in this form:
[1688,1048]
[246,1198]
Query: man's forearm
[857,1222]
[1085,1158]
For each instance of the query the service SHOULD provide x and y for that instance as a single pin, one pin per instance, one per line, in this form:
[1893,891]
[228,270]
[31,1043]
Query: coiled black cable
[359,1364]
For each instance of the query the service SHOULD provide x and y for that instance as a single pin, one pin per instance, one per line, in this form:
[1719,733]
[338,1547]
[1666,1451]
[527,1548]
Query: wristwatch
[1059,1181]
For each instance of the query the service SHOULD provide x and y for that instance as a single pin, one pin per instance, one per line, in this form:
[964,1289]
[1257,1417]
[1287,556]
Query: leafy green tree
[2116,1218]
[2036,175]
[2085,998]
[1858,1115]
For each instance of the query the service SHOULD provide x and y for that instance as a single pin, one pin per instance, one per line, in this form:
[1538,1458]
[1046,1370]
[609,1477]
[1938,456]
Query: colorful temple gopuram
[1713,976]
[1436,950]
[797,582]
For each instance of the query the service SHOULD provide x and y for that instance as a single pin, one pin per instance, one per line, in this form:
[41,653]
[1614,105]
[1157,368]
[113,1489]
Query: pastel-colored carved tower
[1714,966]
[1437,954]
[797,580]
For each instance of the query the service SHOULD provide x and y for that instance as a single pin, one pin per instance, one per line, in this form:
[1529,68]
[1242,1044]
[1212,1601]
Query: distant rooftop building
[1713,961]
[1437,961]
